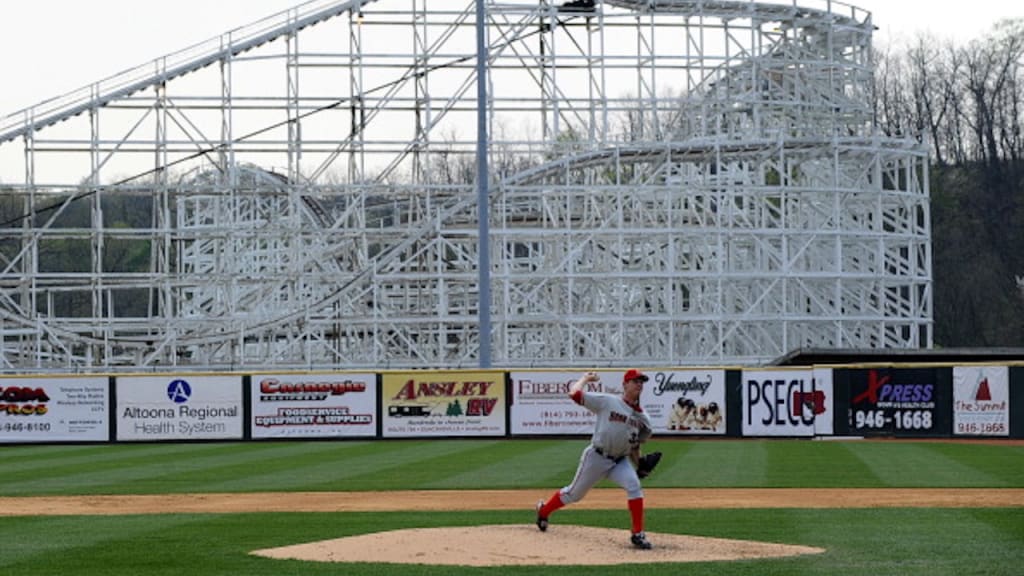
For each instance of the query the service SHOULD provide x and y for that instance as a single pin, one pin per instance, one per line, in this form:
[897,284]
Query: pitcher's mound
[504,545]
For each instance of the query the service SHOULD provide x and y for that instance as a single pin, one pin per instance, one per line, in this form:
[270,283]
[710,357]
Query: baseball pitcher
[613,452]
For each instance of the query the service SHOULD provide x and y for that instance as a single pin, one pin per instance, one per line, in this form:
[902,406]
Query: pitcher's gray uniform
[622,426]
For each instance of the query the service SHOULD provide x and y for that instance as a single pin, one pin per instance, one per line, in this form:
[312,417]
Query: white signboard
[677,401]
[775,402]
[682,402]
[176,407]
[313,405]
[60,409]
[981,401]
[541,403]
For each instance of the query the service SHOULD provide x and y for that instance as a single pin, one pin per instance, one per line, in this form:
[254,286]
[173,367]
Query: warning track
[447,500]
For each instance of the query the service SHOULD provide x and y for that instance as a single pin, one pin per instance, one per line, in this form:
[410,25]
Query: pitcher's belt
[600,452]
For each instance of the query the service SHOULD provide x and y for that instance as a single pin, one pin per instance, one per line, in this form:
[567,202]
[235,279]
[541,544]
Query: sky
[51,47]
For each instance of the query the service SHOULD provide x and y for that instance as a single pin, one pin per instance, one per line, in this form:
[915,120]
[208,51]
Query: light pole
[483,212]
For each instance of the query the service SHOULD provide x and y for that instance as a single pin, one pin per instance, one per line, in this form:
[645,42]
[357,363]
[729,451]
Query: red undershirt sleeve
[577,397]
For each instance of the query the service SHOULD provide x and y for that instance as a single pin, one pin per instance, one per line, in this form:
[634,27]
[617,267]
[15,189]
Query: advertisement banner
[313,405]
[678,402]
[174,407]
[541,404]
[59,409]
[685,402]
[443,403]
[820,402]
[981,401]
[895,402]
[780,402]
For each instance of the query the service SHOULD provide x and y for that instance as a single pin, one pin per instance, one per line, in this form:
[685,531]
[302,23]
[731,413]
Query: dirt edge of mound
[509,545]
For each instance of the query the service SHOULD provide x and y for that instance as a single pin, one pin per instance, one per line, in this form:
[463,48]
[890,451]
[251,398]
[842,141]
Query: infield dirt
[442,500]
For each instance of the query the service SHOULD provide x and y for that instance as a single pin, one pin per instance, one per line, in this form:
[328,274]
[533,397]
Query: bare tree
[893,114]
[967,99]
[992,68]
[932,79]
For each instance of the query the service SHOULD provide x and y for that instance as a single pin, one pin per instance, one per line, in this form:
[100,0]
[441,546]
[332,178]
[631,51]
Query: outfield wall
[882,400]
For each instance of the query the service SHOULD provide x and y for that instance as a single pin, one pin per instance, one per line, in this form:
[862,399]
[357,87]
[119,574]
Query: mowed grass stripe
[1003,462]
[70,543]
[716,463]
[807,463]
[114,462]
[422,463]
[258,466]
[29,458]
[798,463]
[1008,525]
[241,473]
[994,534]
[333,467]
[323,466]
[893,541]
[545,465]
[906,464]
[162,468]
[200,545]
[362,467]
[874,541]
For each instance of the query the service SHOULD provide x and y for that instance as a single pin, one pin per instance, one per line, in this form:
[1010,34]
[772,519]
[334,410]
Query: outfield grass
[896,541]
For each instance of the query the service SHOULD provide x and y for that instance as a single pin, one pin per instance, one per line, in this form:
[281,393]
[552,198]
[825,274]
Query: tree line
[967,101]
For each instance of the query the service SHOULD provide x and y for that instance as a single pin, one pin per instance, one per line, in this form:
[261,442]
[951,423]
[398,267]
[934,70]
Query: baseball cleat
[639,540]
[542,522]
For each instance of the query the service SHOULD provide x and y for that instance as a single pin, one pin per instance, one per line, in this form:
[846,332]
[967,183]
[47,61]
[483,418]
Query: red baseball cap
[634,374]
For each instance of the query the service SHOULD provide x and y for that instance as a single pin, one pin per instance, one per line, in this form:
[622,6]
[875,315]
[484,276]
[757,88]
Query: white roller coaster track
[674,182]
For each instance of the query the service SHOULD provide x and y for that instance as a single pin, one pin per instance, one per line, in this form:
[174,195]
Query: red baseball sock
[553,503]
[636,512]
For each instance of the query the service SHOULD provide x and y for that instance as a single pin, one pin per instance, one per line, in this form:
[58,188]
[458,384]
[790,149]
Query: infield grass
[870,542]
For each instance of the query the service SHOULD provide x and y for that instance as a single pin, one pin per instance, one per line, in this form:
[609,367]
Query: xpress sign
[897,402]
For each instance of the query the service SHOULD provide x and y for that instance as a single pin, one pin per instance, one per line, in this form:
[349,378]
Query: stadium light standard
[483,214]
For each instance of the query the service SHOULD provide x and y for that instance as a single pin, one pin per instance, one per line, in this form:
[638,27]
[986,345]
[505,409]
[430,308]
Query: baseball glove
[647,464]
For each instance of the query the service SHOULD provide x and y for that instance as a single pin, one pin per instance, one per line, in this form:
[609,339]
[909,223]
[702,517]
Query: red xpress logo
[883,393]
